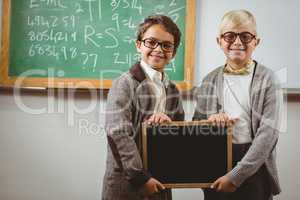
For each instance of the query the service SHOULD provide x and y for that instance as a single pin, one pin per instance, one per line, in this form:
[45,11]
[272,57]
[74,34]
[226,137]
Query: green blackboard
[84,39]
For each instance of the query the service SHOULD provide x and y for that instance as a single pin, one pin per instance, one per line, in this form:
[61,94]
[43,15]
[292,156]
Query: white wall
[52,155]
[43,156]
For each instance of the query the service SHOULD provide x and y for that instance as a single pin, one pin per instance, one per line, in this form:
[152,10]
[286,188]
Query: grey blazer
[266,101]
[130,101]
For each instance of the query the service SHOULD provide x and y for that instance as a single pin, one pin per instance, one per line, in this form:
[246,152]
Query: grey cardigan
[266,101]
[130,101]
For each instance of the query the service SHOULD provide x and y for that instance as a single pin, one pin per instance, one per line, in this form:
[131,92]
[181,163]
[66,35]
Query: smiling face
[237,52]
[157,58]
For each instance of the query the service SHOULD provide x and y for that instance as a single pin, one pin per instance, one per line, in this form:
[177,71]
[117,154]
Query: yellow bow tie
[243,71]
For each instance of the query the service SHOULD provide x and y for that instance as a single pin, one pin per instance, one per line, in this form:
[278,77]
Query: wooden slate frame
[191,123]
[11,81]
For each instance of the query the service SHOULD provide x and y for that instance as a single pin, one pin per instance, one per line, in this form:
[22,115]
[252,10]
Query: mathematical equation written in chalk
[87,35]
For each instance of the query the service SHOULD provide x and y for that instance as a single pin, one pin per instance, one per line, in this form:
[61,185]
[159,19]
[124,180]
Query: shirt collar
[152,73]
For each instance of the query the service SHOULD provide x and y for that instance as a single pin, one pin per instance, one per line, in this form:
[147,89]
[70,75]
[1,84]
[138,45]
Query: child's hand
[223,184]
[152,186]
[221,119]
[158,118]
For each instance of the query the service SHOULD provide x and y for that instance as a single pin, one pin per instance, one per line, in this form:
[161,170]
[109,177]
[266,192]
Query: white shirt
[239,107]
[158,87]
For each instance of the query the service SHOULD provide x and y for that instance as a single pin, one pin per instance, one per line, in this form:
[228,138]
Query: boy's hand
[158,118]
[221,119]
[223,184]
[152,186]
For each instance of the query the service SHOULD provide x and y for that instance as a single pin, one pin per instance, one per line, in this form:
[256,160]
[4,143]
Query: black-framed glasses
[152,44]
[245,37]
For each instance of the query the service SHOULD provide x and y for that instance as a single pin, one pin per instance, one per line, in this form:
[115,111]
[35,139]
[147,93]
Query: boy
[143,93]
[243,92]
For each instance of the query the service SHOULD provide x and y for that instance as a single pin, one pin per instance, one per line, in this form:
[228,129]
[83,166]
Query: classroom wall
[52,144]
[61,155]
[277,26]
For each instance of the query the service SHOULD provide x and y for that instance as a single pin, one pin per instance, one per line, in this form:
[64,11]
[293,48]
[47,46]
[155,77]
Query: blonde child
[246,93]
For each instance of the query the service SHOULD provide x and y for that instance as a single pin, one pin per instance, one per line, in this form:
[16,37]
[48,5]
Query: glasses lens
[246,37]
[229,37]
[167,46]
[150,43]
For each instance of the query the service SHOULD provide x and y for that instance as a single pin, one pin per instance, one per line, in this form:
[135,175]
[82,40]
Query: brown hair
[165,22]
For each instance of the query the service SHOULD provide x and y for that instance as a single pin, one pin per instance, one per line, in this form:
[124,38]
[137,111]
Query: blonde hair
[237,18]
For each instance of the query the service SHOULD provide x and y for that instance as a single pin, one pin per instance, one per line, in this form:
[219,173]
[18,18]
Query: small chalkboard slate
[187,154]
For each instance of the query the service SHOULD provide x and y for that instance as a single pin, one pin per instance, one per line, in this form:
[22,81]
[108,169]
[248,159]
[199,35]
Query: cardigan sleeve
[206,98]
[120,132]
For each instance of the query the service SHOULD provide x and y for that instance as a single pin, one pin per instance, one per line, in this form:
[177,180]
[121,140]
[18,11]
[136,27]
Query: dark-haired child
[144,93]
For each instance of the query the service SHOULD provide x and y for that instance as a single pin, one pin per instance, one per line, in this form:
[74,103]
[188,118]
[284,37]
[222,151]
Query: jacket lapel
[137,72]
[144,97]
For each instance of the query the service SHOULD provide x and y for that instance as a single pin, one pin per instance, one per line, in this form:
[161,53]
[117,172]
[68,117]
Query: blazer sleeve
[179,115]
[179,111]
[121,133]
[200,112]
[267,133]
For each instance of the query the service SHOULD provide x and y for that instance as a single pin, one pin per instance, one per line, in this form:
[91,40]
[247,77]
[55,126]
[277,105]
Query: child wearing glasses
[246,93]
[144,93]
